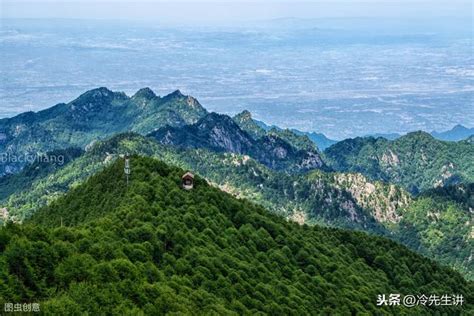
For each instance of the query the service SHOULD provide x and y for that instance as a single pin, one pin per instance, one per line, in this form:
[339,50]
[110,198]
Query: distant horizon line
[295,18]
[443,24]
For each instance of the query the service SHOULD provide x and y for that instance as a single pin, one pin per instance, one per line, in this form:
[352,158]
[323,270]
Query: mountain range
[94,115]
[245,120]
[388,188]
[417,161]
[100,113]
[457,133]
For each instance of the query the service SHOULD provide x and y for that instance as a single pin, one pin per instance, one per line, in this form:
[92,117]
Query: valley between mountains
[415,190]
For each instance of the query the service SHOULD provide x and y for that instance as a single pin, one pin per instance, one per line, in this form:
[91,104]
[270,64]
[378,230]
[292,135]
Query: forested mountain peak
[96,114]
[420,136]
[248,124]
[433,225]
[177,94]
[98,97]
[245,115]
[190,101]
[145,93]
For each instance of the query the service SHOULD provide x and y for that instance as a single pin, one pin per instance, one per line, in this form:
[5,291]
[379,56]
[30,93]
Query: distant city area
[312,75]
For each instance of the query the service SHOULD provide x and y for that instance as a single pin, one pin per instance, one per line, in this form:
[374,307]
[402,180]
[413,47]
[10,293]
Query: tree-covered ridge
[330,199]
[462,193]
[323,198]
[416,161]
[248,124]
[258,129]
[96,114]
[153,248]
[297,139]
[240,174]
[42,167]
[301,142]
[220,133]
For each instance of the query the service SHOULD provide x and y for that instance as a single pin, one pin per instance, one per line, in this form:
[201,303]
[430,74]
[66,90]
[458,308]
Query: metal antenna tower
[127,167]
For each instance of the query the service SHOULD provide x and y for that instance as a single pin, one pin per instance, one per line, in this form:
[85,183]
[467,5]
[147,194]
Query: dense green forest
[433,225]
[153,248]
[416,161]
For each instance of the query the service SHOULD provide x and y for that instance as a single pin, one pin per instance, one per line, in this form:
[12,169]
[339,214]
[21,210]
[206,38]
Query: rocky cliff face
[385,202]
[220,133]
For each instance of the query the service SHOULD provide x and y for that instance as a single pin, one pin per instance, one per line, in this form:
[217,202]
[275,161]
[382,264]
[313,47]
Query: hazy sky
[191,11]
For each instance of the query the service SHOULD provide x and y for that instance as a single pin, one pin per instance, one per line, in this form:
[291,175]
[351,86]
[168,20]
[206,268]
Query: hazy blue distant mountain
[457,133]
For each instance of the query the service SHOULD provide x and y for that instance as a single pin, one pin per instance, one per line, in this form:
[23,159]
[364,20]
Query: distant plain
[342,79]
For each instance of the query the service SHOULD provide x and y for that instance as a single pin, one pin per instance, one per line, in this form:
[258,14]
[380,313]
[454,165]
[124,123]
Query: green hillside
[434,224]
[416,161]
[153,248]
[22,181]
